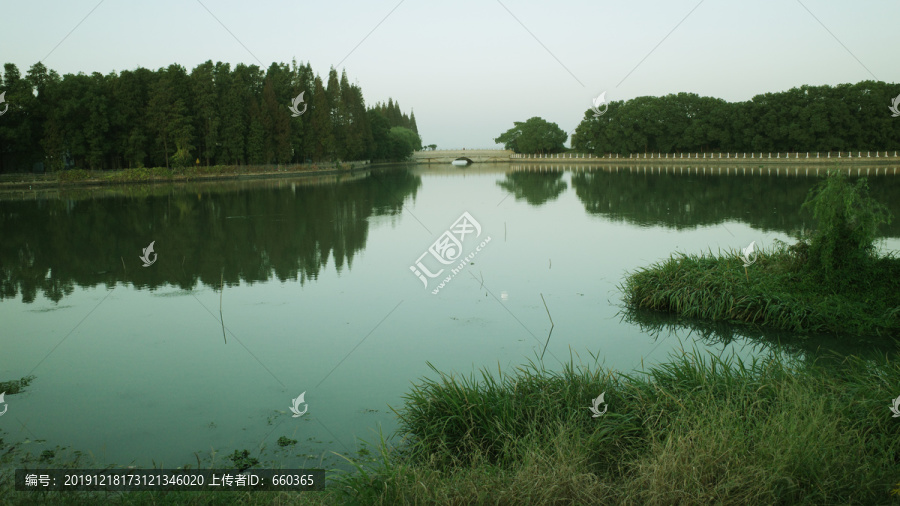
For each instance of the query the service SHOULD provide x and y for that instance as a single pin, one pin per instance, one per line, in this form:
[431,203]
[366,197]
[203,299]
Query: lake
[324,289]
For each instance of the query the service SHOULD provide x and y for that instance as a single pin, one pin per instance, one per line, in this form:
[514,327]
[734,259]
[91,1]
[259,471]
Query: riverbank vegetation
[698,429]
[831,280]
[214,115]
[159,174]
[846,117]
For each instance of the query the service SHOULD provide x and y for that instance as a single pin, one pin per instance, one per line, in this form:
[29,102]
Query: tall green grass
[700,429]
[775,292]
[831,280]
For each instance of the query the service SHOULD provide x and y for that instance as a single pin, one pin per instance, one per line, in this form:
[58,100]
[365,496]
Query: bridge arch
[473,155]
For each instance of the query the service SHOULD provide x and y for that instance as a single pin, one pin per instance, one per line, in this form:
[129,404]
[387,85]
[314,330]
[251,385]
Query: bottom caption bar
[136,480]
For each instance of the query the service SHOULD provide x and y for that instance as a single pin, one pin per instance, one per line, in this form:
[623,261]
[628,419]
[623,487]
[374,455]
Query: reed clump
[831,280]
[699,429]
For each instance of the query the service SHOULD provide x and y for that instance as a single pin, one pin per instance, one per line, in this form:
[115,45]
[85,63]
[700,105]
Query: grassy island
[831,280]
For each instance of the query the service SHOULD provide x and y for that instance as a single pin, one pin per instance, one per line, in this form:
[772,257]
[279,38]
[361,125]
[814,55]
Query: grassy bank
[696,430]
[162,174]
[699,429]
[773,292]
[831,280]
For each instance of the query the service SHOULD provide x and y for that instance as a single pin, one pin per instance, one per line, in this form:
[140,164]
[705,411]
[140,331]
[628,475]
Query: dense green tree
[380,134]
[412,122]
[203,83]
[234,118]
[256,138]
[214,114]
[302,135]
[809,118]
[336,113]
[17,130]
[130,93]
[169,117]
[535,135]
[403,143]
[276,124]
[321,122]
[359,141]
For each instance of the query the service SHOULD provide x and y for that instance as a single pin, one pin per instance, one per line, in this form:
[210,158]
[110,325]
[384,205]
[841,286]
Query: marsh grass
[699,429]
[778,293]
[831,280]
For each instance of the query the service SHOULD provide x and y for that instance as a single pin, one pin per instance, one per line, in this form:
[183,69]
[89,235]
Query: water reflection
[669,198]
[288,229]
[720,334]
[537,188]
[256,232]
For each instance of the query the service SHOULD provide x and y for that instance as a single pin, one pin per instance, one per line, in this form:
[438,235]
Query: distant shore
[81,178]
[89,178]
[823,158]
[883,157]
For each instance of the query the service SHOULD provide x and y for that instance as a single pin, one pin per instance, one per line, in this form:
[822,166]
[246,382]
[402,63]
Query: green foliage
[696,429]
[534,136]
[74,175]
[403,142]
[171,117]
[841,251]
[285,441]
[809,118]
[395,116]
[242,460]
[774,292]
[831,281]
[15,386]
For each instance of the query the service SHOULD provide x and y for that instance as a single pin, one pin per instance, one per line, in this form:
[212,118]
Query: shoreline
[724,427]
[33,181]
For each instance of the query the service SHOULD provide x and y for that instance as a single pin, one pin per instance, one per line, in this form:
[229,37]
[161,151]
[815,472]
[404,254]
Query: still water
[312,278]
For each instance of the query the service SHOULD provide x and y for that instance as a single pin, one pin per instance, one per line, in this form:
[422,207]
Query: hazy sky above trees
[469,68]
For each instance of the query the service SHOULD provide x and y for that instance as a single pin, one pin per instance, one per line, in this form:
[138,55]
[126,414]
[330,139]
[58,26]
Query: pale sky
[470,68]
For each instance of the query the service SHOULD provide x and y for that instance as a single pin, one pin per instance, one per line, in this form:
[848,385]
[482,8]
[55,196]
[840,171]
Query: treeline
[214,115]
[846,117]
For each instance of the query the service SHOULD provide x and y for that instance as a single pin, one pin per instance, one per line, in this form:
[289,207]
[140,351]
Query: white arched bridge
[473,155]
